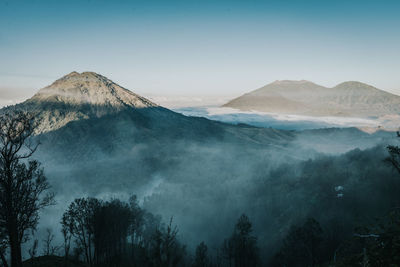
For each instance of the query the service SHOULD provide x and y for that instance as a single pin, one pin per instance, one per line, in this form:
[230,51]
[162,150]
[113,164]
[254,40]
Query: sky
[196,48]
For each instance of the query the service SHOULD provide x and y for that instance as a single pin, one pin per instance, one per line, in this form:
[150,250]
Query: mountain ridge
[350,98]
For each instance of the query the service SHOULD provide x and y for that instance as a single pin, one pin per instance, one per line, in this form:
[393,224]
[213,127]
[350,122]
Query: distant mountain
[79,96]
[307,98]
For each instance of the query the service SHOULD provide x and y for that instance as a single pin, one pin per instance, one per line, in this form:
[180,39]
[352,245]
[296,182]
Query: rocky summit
[80,96]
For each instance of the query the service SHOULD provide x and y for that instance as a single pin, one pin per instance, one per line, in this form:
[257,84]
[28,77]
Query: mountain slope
[79,96]
[306,98]
[83,115]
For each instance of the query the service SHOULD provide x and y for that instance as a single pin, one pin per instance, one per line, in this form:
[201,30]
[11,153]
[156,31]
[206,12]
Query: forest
[115,232]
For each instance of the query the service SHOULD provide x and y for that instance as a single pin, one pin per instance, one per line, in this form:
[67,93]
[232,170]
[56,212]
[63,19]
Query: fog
[284,121]
[205,174]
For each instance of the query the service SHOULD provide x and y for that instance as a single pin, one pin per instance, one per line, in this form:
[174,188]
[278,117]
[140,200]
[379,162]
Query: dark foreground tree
[375,245]
[164,249]
[111,225]
[102,231]
[301,246]
[78,220]
[201,258]
[241,247]
[22,182]
[3,247]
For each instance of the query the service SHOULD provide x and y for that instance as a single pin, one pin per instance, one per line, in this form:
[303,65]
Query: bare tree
[78,220]
[394,157]
[67,235]
[33,250]
[49,249]
[165,248]
[22,182]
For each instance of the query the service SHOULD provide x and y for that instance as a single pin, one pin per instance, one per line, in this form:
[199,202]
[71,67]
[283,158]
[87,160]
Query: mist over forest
[100,176]
[206,179]
[96,175]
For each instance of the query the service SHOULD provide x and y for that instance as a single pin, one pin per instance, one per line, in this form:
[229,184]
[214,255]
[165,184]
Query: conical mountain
[307,98]
[90,88]
[81,96]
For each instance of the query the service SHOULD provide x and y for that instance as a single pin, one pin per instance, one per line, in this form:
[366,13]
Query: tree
[394,157]
[78,219]
[67,235]
[111,224]
[165,249]
[242,245]
[49,249]
[228,251]
[22,181]
[201,257]
[33,250]
[101,230]
[300,247]
[3,247]
[136,224]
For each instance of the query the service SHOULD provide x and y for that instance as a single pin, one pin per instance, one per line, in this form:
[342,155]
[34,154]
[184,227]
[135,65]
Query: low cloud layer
[286,121]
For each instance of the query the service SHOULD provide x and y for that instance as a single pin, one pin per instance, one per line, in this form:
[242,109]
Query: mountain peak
[74,73]
[90,88]
[289,82]
[354,85]
[78,96]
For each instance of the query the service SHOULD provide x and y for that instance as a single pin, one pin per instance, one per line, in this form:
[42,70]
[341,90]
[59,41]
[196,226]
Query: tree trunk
[15,245]
[90,251]
[133,248]
[16,260]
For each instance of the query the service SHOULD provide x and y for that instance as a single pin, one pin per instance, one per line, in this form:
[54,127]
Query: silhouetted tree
[300,247]
[67,235]
[394,160]
[149,230]
[111,224]
[49,249]
[165,249]
[22,182]
[394,157]
[242,245]
[79,220]
[136,225]
[3,247]
[102,230]
[201,256]
[33,250]
[228,252]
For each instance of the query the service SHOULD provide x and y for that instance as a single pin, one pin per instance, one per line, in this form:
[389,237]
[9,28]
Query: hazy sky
[200,47]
